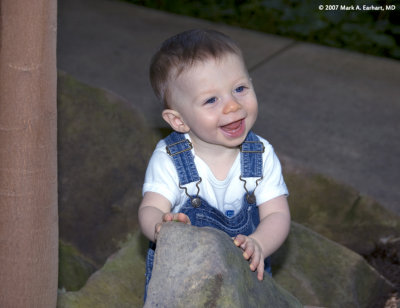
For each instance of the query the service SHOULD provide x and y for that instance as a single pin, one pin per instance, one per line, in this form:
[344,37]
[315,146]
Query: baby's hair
[183,50]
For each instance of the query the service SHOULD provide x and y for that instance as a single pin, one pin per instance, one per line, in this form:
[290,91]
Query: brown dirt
[385,258]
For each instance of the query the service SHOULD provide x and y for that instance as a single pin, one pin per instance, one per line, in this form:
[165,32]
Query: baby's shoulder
[268,149]
[160,155]
[161,147]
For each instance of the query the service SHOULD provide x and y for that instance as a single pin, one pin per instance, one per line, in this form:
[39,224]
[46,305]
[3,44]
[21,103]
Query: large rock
[74,268]
[338,211]
[103,149]
[118,284]
[320,272]
[316,270]
[201,267]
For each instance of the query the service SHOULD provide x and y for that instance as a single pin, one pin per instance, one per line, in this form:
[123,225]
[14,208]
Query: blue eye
[240,89]
[211,100]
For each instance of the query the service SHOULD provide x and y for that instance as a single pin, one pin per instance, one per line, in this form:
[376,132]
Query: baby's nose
[231,106]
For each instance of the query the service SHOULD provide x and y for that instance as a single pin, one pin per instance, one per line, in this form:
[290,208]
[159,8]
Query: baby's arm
[268,237]
[154,211]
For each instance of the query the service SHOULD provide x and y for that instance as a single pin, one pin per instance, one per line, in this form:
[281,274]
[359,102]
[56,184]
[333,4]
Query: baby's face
[216,100]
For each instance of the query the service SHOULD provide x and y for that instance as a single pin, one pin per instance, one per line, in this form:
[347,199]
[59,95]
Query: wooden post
[28,154]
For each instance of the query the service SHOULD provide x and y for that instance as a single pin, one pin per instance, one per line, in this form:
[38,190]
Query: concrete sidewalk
[333,111]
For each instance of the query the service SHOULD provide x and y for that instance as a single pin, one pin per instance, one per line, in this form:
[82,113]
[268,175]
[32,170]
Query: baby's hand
[251,251]
[180,217]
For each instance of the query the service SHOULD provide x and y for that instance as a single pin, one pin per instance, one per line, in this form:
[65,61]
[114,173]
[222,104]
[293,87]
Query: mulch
[385,258]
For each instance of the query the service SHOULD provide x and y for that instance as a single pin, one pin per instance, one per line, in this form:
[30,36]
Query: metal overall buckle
[251,147]
[250,197]
[244,147]
[195,201]
[188,148]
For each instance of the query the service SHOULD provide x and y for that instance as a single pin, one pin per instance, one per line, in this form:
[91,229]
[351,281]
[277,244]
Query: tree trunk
[28,154]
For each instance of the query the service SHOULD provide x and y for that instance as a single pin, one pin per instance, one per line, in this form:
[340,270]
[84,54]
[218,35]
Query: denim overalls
[202,214]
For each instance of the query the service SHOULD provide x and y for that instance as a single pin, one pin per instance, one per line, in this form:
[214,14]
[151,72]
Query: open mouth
[234,129]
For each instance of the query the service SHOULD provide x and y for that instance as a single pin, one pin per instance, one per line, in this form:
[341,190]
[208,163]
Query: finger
[239,240]
[157,230]
[255,260]
[158,227]
[168,217]
[174,216]
[249,251]
[260,270]
[257,263]
[183,218]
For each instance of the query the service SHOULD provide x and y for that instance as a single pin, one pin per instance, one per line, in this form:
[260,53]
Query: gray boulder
[320,272]
[201,267]
[103,149]
[316,270]
[338,211]
[118,284]
[74,268]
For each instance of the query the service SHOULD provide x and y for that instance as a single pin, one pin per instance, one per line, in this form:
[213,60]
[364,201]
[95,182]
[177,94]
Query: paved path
[332,111]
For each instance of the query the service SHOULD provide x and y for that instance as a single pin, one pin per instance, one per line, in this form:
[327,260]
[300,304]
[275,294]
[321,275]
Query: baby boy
[212,170]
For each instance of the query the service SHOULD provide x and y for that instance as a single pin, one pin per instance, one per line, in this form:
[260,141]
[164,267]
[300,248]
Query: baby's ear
[174,119]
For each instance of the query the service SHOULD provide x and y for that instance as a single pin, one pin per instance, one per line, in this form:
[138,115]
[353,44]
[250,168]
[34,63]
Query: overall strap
[251,151]
[179,148]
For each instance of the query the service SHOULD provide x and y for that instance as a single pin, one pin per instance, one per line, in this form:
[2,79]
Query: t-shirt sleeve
[161,176]
[272,185]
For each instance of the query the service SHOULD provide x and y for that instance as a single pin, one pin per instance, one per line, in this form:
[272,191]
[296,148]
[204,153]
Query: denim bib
[199,211]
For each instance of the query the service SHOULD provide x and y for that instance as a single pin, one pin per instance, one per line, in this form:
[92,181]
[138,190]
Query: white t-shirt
[227,195]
